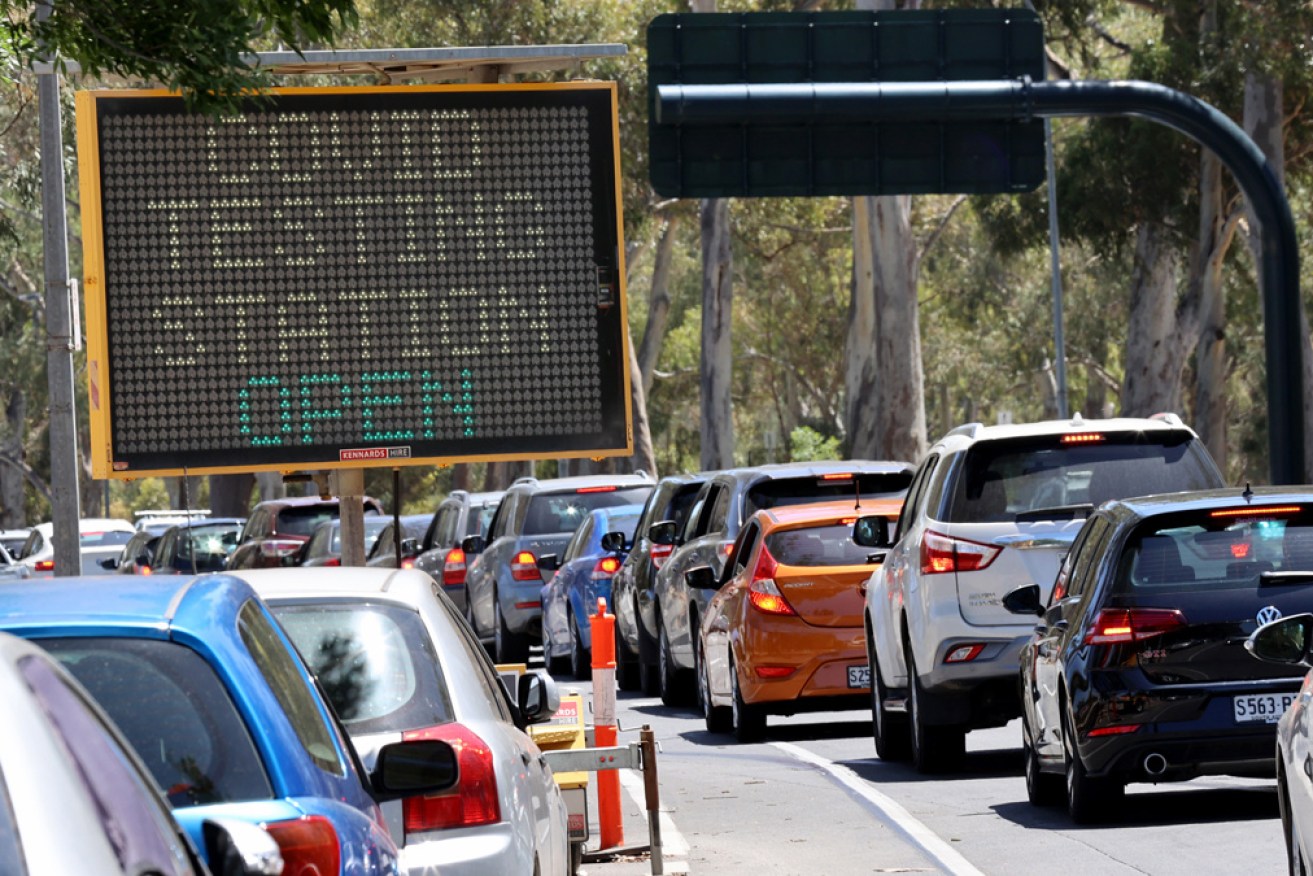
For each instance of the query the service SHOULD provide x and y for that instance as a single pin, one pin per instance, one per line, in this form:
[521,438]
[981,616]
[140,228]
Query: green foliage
[194,46]
[808,445]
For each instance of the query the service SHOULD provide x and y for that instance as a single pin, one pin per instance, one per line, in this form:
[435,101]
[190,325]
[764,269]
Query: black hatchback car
[1137,671]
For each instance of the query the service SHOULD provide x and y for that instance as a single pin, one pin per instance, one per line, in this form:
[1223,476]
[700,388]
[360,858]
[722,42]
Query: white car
[993,508]
[398,662]
[99,538]
[10,569]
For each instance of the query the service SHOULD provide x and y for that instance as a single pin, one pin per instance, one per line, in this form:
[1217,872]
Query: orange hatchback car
[783,634]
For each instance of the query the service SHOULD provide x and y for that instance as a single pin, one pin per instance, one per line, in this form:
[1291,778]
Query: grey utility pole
[65,499]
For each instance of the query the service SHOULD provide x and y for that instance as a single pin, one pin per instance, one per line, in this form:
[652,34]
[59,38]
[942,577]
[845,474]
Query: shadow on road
[989,764]
[1153,807]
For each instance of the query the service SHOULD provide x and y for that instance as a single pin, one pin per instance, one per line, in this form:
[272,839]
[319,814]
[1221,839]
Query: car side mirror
[409,546]
[1283,641]
[537,698]
[142,559]
[413,768]
[702,578]
[109,563]
[663,532]
[240,848]
[1024,600]
[615,542]
[549,562]
[473,544]
[873,531]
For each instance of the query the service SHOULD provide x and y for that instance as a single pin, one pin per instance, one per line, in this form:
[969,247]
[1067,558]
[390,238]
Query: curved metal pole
[1022,100]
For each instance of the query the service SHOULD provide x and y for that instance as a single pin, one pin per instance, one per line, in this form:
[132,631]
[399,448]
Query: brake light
[940,554]
[844,476]
[1274,511]
[727,548]
[605,568]
[524,567]
[408,563]
[145,570]
[1117,626]
[453,568]
[308,845]
[333,561]
[1114,730]
[964,653]
[44,565]
[279,548]
[1083,438]
[770,672]
[473,801]
[661,553]
[763,593]
[1240,550]
[610,488]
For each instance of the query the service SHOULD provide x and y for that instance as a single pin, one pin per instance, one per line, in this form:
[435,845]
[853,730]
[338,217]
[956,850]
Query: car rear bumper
[522,607]
[820,657]
[464,852]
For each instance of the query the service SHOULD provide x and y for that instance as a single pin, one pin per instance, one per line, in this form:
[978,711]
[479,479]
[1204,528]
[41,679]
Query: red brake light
[610,488]
[769,672]
[661,553]
[1273,511]
[280,548]
[524,567]
[763,593]
[44,565]
[333,561]
[309,846]
[940,554]
[453,568]
[844,476]
[408,563]
[1240,550]
[1114,730]
[1083,438]
[473,801]
[964,653]
[146,570]
[605,568]
[1117,626]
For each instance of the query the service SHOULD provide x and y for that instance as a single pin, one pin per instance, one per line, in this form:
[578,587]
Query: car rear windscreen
[479,517]
[563,512]
[1218,549]
[817,546]
[812,488]
[175,711]
[375,661]
[1032,476]
[302,519]
[105,539]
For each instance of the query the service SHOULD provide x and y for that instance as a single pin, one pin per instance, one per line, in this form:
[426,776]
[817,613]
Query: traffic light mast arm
[1022,100]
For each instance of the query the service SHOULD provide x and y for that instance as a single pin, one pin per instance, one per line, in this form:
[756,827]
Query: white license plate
[859,676]
[1262,708]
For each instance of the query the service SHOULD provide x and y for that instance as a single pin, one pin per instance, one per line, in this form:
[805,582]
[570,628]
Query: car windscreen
[830,545]
[374,660]
[1042,476]
[1214,549]
[777,492]
[563,512]
[302,519]
[175,711]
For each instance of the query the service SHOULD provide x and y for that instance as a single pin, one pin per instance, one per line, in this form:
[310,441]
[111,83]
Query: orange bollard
[609,818]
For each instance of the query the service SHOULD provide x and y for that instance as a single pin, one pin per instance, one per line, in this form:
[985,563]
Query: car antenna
[857,493]
[1248,494]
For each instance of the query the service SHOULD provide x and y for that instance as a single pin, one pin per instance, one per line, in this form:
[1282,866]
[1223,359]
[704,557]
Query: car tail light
[606,567]
[279,548]
[145,570]
[308,845]
[473,801]
[333,561]
[524,567]
[453,568]
[44,565]
[661,553]
[408,563]
[1116,626]
[1115,730]
[763,593]
[727,547]
[940,554]
[770,672]
[964,653]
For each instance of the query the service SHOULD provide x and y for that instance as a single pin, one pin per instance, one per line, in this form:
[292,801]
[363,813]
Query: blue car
[583,573]
[212,695]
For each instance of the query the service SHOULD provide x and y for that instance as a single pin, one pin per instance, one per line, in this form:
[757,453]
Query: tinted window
[279,669]
[747,541]
[1195,551]
[375,662]
[801,490]
[626,523]
[138,828]
[681,504]
[719,511]
[915,496]
[204,548]
[14,544]
[1000,479]
[479,518]
[563,512]
[176,713]
[817,546]
[302,519]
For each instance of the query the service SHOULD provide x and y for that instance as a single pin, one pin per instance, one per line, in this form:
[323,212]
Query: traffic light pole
[1023,100]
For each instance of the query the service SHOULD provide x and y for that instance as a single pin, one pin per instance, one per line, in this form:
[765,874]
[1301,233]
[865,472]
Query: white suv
[993,508]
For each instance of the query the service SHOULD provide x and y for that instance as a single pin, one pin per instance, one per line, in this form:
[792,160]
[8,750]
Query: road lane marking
[944,854]
[673,844]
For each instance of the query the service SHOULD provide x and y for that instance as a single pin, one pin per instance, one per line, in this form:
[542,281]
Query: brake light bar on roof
[1271,511]
[609,488]
[1084,438]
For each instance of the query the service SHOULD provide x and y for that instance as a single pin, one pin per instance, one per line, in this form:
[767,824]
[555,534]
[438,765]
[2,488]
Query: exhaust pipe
[1155,765]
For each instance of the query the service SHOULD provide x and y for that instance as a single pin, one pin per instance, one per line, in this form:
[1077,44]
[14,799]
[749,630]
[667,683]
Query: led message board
[354,277]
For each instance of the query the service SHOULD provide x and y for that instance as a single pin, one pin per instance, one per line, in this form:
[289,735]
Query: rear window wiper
[1057,512]
[1280,579]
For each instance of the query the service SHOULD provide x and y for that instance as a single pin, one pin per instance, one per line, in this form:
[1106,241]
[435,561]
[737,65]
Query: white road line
[948,857]
[673,844]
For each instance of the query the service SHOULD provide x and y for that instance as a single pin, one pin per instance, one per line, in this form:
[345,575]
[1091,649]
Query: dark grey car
[459,516]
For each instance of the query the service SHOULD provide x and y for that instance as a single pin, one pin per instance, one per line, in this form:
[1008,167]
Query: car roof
[210,521]
[474,498]
[299,581]
[552,485]
[789,515]
[91,601]
[1203,500]
[783,470]
[972,432]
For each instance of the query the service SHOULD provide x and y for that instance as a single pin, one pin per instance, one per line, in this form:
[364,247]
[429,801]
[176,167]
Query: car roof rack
[1168,417]
[970,430]
[527,479]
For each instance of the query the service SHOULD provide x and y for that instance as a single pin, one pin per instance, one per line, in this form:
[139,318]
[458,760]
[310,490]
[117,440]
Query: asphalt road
[814,799]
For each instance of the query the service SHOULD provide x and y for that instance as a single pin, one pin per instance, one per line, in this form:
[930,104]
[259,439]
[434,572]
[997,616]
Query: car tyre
[581,664]
[576,857]
[1089,799]
[749,720]
[626,664]
[892,738]
[719,719]
[510,646]
[934,749]
[648,679]
[1042,789]
[673,688]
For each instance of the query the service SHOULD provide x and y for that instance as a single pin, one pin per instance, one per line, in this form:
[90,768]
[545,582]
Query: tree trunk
[230,494]
[12,480]
[460,476]
[1211,359]
[717,354]
[494,477]
[658,309]
[1264,117]
[1154,357]
[644,455]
